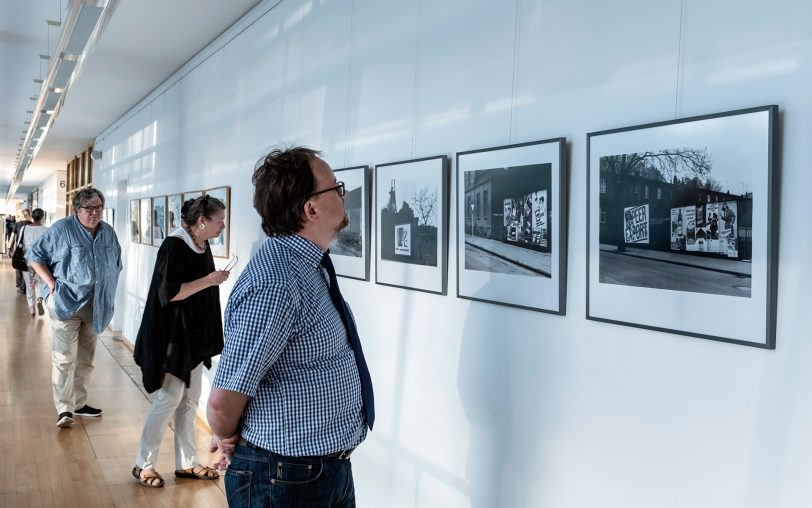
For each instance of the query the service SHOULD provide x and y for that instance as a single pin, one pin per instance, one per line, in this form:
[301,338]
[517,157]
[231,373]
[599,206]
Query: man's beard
[343,224]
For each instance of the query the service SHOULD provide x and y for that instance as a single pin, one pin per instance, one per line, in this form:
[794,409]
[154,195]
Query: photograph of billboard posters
[350,249]
[506,226]
[412,217]
[641,193]
[511,225]
[679,216]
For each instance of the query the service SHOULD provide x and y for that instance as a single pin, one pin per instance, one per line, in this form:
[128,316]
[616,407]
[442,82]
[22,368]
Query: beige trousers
[172,398]
[73,351]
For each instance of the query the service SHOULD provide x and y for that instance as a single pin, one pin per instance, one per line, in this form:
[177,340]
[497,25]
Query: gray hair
[85,195]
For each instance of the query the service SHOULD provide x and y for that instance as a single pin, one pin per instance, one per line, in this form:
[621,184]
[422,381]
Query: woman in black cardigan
[180,332]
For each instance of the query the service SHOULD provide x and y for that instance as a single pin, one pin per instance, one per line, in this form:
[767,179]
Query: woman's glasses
[231,263]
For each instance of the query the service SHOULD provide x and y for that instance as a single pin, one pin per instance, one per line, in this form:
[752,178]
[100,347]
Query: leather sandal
[197,473]
[153,480]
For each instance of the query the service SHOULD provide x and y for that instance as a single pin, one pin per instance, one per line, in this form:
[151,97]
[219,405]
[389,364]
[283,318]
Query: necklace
[194,240]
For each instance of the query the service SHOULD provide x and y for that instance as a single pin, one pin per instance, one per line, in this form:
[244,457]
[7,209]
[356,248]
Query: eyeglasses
[231,263]
[338,188]
[91,209]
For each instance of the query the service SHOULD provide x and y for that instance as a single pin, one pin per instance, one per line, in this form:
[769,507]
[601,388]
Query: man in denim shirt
[79,259]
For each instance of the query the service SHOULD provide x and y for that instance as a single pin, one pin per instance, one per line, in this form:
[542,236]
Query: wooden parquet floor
[88,465]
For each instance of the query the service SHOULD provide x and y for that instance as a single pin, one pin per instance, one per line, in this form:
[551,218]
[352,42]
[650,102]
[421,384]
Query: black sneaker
[88,411]
[64,420]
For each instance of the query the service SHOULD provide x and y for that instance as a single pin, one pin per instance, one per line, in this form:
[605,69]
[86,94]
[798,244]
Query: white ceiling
[145,42]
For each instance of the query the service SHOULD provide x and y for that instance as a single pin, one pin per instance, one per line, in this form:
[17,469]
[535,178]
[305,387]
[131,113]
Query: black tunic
[175,337]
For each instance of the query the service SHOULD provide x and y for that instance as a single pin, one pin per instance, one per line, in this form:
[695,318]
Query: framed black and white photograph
[681,234]
[158,220]
[135,221]
[511,211]
[145,221]
[192,195]
[350,249]
[173,207]
[412,224]
[219,245]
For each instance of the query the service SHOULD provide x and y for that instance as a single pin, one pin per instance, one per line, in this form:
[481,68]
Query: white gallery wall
[483,405]
[51,196]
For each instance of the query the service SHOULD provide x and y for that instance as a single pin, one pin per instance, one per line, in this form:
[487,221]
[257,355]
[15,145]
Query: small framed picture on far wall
[173,206]
[158,220]
[219,245]
[144,218]
[135,224]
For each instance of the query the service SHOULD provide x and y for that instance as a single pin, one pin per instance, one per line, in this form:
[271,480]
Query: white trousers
[32,290]
[172,398]
[72,357]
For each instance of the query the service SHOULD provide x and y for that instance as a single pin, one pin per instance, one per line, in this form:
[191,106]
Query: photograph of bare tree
[640,243]
[414,204]
[681,235]
[412,217]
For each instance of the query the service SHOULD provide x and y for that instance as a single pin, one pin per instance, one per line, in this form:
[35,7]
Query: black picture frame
[511,212]
[417,258]
[675,183]
[350,249]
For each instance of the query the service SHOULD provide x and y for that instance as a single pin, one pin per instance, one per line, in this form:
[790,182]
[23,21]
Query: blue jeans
[259,478]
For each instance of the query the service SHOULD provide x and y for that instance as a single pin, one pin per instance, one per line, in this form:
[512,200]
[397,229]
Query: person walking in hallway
[79,259]
[29,236]
[15,235]
[292,396]
[180,332]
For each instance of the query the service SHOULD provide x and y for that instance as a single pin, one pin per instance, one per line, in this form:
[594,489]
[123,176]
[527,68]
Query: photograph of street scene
[349,241]
[408,222]
[676,219]
[507,220]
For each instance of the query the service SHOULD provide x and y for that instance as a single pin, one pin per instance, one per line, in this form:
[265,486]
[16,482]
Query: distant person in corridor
[79,259]
[292,390]
[15,236]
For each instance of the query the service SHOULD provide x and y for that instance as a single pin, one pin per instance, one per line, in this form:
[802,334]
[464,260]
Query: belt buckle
[344,454]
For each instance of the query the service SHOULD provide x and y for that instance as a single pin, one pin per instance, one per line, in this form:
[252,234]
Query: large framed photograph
[412,224]
[219,245]
[682,229]
[350,249]
[146,212]
[135,221]
[157,221]
[173,207]
[512,225]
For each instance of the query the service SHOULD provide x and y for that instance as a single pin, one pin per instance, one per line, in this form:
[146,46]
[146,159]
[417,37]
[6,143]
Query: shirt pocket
[80,265]
[107,262]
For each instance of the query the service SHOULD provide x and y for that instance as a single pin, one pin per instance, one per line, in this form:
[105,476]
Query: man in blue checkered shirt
[287,405]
